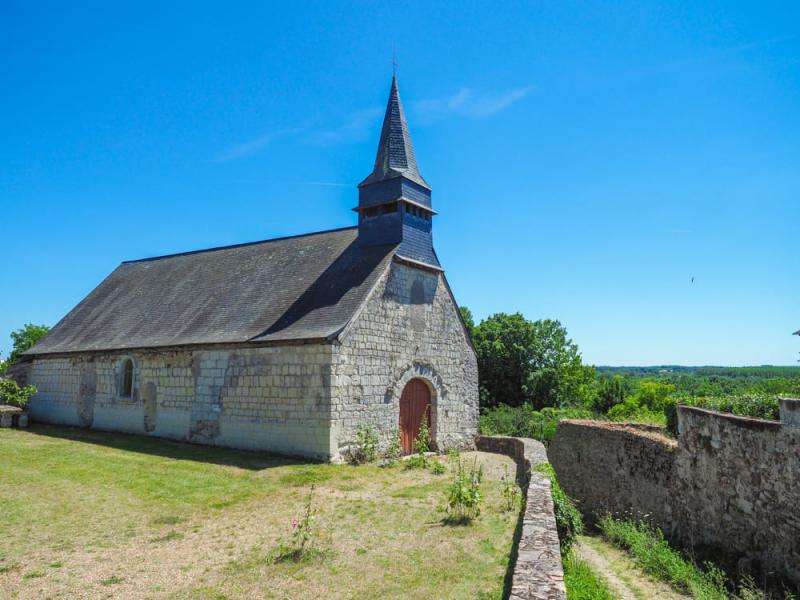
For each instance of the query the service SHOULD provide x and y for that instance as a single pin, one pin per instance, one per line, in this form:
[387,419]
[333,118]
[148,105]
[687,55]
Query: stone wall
[409,328]
[270,398]
[731,484]
[538,573]
[611,467]
[737,487]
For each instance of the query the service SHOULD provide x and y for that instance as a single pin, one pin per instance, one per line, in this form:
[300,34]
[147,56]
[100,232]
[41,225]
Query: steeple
[394,201]
[395,150]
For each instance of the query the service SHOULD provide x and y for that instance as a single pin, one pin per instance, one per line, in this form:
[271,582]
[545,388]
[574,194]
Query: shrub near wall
[525,422]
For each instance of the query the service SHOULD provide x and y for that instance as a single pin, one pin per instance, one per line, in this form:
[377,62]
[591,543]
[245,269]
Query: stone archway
[429,377]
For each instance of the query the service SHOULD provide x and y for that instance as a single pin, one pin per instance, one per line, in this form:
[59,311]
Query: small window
[372,211]
[126,382]
[390,208]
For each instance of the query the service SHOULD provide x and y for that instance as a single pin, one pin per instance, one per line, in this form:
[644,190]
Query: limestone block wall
[729,483]
[738,487]
[408,328]
[616,468]
[269,398]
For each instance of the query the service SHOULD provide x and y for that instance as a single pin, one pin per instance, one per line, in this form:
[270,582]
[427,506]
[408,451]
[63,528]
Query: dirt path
[626,580]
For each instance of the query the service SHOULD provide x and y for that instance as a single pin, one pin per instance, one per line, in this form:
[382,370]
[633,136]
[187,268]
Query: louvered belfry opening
[394,201]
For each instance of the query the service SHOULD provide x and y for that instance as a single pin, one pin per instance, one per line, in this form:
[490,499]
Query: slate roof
[395,152]
[306,287]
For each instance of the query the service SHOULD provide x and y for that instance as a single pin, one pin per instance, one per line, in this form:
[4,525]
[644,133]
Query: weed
[453,454]
[365,447]
[654,555]
[464,496]
[437,468]
[33,575]
[568,519]
[423,442]
[511,493]
[113,580]
[299,545]
[393,450]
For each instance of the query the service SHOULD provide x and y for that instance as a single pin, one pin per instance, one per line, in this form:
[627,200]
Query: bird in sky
[692,279]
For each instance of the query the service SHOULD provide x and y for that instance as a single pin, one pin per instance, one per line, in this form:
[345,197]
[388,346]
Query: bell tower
[394,201]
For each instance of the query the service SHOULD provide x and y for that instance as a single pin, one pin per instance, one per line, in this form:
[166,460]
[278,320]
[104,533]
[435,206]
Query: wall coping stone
[538,573]
[747,422]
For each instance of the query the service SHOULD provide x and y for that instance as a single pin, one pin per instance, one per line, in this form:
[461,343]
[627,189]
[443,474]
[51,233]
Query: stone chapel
[285,345]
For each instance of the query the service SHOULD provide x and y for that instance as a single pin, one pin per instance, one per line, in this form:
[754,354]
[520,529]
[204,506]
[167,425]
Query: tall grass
[582,583]
[654,555]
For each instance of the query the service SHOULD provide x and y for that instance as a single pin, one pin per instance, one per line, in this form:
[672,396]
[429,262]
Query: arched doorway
[415,403]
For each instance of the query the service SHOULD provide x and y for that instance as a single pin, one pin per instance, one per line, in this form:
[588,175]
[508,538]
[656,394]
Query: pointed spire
[395,152]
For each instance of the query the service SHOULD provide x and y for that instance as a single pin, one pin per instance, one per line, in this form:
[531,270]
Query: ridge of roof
[240,245]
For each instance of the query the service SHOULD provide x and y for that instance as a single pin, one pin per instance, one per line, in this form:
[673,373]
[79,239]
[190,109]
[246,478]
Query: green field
[92,514]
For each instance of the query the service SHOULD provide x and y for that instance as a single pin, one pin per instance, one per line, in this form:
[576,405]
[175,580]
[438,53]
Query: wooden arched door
[415,403]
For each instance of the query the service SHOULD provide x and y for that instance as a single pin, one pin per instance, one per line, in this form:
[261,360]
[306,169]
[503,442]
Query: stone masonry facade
[294,399]
[272,398]
[729,483]
[409,328]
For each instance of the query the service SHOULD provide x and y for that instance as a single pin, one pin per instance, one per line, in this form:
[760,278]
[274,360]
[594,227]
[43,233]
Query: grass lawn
[88,514]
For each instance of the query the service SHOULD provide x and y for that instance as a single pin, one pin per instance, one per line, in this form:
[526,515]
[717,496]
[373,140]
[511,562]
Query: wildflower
[294,523]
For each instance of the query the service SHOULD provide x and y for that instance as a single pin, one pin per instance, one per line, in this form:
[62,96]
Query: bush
[524,421]
[511,491]
[633,412]
[568,519]
[759,406]
[12,394]
[464,495]
[437,468]
[671,414]
[365,447]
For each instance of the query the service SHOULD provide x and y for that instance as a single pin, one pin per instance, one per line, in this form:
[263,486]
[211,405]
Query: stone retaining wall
[538,573]
[730,484]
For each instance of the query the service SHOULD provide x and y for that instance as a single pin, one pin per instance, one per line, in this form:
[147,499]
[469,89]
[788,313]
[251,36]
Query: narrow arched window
[126,383]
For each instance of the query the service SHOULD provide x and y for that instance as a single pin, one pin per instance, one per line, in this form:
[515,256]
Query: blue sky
[587,159]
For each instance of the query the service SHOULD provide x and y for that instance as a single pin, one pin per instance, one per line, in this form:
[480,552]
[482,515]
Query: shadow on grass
[243,459]
[508,580]
[456,521]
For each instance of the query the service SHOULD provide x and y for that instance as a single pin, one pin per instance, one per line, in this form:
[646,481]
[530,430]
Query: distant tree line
[531,375]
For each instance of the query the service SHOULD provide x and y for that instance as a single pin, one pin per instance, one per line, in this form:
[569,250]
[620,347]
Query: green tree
[25,338]
[611,391]
[469,320]
[529,362]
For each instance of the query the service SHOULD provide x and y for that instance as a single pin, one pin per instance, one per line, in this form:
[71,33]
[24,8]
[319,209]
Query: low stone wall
[538,573]
[731,484]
